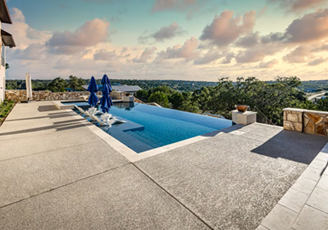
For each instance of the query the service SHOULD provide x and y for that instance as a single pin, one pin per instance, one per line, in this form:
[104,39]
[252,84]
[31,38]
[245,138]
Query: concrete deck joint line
[209,226]
[52,189]
[37,153]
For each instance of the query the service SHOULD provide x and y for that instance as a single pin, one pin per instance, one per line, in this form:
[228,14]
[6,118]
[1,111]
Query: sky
[200,40]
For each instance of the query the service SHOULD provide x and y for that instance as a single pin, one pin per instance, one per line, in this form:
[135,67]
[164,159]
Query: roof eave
[5,16]
[7,39]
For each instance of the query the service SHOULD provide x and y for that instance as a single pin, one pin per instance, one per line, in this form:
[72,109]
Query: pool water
[148,127]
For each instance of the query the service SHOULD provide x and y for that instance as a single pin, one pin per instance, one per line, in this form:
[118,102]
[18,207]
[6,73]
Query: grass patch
[5,109]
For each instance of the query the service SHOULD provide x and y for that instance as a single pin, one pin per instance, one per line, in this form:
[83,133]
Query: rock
[309,128]
[292,117]
[314,117]
[288,125]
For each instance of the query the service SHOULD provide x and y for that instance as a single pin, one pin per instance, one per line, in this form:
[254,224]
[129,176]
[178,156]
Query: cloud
[298,55]
[23,34]
[248,40]
[32,52]
[187,51]
[269,64]
[90,34]
[298,5]
[258,52]
[17,15]
[311,27]
[323,47]
[104,55]
[317,61]
[167,32]
[209,57]
[164,33]
[190,60]
[146,55]
[228,58]
[225,29]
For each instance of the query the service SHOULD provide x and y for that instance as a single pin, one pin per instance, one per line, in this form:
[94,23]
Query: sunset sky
[169,39]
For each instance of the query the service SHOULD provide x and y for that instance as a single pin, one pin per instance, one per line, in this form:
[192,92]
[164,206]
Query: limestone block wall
[307,121]
[316,122]
[293,120]
[20,95]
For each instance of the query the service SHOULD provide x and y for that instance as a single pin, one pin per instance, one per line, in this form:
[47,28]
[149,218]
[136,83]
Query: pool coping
[133,156]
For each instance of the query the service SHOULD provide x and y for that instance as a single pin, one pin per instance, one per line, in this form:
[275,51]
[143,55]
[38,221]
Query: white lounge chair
[107,122]
[101,123]
[114,121]
[106,116]
[81,110]
[93,111]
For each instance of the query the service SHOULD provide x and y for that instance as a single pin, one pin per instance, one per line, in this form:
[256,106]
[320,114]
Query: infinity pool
[148,127]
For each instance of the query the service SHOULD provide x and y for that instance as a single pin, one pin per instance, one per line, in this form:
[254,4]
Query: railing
[261,118]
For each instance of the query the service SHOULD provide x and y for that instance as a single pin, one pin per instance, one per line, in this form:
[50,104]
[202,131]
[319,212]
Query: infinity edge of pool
[133,155]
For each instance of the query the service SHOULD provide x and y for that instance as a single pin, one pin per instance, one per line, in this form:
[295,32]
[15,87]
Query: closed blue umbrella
[92,88]
[106,100]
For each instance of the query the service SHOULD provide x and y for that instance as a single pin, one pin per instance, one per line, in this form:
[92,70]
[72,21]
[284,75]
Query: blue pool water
[148,127]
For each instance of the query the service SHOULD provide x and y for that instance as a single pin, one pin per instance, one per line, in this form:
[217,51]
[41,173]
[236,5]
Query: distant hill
[317,85]
[144,84]
[148,84]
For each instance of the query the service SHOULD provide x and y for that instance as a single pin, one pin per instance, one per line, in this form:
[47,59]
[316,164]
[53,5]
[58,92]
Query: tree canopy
[58,85]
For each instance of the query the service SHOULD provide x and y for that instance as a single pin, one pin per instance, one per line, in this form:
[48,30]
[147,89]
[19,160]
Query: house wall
[2,74]
[2,83]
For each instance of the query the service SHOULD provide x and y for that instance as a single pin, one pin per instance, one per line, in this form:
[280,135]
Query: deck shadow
[299,147]
[51,116]
[47,108]
[59,126]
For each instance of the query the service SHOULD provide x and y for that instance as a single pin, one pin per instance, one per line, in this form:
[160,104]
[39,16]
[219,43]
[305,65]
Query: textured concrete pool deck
[56,173]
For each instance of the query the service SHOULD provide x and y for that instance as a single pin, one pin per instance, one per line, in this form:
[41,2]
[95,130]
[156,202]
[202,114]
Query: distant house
[7,40]
[132,89]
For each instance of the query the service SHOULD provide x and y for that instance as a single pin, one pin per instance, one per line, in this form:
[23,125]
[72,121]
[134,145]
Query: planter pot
[242,108]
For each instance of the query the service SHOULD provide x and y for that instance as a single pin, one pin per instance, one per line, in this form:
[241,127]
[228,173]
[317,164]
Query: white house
[7,40]
[132,89]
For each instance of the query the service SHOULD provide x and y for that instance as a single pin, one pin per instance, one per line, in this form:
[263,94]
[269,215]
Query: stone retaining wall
[307,121]
[20,95]
[138,101]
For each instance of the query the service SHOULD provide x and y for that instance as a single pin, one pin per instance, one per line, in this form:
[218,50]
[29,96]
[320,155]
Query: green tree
[176,99]
[323,104]
[57,85]
[143,95]
[189,106]
[202,97]
[269,98]
[76,83]
[160,98]
[163,89]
